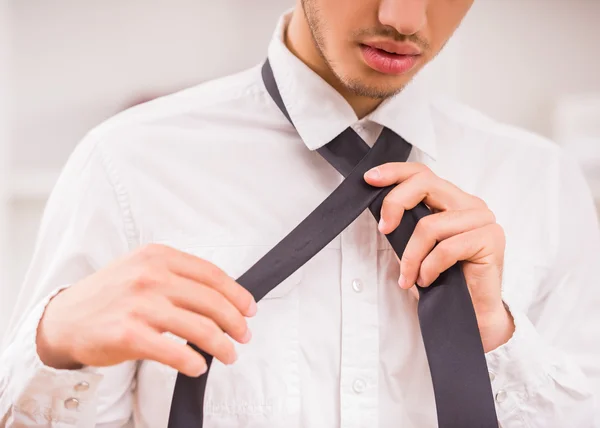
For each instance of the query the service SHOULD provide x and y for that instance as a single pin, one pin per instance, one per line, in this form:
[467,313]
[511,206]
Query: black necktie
[462,389]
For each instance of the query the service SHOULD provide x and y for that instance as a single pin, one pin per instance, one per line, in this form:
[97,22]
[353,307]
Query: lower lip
[388,63]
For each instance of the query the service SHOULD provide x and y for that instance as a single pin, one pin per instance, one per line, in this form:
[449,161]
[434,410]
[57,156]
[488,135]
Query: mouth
[391,58]
[396,48]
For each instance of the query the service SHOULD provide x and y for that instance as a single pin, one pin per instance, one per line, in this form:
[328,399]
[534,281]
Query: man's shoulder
[474,124]
[228,92]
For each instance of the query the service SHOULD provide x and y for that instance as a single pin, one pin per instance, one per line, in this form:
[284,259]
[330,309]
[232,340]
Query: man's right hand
[120,312]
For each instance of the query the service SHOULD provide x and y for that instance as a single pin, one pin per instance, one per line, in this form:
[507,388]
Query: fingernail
[252,309]
[201,369]
[420,281]
[373,174]
[247,336]
[381,225]
[402,281]
[231,357]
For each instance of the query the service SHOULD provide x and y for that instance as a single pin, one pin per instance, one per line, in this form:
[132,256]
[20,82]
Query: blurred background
[67,65]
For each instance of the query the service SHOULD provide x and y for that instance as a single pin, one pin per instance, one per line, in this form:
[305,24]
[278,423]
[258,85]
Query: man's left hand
[461,228]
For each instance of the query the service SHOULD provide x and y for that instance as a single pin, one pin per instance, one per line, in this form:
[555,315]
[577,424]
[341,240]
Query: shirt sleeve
[86,224]
[548,374]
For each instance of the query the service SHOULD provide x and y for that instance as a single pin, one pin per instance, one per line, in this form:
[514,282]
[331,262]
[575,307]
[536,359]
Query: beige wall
[518,57]
[4,83]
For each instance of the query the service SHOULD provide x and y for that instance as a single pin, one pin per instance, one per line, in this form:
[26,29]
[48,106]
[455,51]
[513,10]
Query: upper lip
[399,48]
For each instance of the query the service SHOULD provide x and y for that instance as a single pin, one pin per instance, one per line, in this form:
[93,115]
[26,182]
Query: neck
[300,42]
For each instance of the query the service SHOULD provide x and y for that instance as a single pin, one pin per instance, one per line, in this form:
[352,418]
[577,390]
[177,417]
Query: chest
[336,322]
[327,327]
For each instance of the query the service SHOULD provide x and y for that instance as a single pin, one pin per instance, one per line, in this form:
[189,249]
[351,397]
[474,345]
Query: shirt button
[357,285]
[500,396]
[492,377]
[359,386]
[82,386]
[72,403]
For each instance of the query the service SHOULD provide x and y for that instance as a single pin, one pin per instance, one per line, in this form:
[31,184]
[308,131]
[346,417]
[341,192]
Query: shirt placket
[360,324]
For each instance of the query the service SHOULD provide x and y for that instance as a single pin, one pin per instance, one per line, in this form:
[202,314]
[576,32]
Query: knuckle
[215,344]
[246,298]
[215,273]
[152,255]
[427,174]
[226,311]
[498,231]
[479,202]
[390,204]
[132,309]
[392,207]
[425,227]
[214,340]
[489,215]
[179,360]
[138,280]
[145,308]
[444,251]
[408,262]
[224,346]
[424,169]
[150,251]
[209,328]
[177,357]
[452,215]
[228,316]
[146,277]
[424,275]
[236,322]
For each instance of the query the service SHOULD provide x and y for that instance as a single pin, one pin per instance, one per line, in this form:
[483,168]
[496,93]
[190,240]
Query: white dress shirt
[217,171]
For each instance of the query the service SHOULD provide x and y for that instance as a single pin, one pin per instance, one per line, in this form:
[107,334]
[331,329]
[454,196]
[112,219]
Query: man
[160,208]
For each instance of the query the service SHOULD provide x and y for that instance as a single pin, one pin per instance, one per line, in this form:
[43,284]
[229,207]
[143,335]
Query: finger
[415,292]
[436,228]
[401,278]
[211,275]
[476,246]
[204,272]
[203,300]
[425,186]
[393,173]
[149,344]
[194,328]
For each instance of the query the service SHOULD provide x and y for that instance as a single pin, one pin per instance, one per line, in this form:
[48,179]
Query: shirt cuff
[520,367]
[30,390]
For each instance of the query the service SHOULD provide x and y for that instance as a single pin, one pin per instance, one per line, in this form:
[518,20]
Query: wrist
[52,344]
[496,328]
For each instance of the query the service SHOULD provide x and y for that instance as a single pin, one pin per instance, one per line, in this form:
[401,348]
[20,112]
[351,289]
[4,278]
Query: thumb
[413,290]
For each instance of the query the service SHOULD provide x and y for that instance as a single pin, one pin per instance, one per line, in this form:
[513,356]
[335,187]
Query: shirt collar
[320,113]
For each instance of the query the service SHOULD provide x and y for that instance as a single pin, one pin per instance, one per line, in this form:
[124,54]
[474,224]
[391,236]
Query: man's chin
[379,91]
[368,83]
